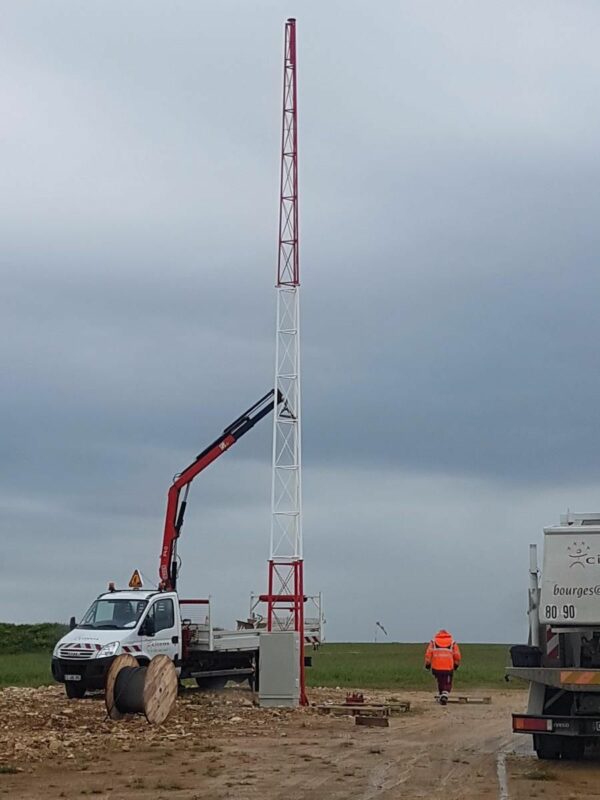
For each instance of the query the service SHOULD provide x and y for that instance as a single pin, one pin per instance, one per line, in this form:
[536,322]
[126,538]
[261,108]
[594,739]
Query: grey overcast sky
[449,174]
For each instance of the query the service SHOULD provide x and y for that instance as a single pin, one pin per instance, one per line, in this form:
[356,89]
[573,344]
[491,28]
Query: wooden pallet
[365,709]
[462,699]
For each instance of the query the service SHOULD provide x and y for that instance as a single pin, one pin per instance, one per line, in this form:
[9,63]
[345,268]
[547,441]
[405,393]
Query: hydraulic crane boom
[176,510]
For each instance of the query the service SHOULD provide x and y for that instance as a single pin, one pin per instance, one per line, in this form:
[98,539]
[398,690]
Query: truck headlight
[55,651]
[108,650]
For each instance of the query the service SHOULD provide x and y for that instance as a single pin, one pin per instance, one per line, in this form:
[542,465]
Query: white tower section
[286,522]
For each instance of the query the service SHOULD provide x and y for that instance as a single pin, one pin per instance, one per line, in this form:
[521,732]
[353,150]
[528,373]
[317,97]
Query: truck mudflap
[565,726]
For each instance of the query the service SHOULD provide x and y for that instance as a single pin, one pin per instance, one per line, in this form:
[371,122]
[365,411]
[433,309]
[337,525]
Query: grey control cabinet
[279,670]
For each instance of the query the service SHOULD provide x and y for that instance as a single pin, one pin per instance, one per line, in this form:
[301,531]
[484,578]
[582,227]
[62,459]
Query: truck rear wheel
[547,747]
[75,691]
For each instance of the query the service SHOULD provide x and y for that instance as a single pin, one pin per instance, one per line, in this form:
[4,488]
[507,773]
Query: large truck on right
[561,661]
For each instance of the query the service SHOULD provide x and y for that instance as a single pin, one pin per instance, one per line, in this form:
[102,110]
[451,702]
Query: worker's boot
[444,698]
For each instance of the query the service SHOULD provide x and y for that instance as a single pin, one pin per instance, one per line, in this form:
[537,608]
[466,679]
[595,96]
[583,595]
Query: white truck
[561,662]
[146,624]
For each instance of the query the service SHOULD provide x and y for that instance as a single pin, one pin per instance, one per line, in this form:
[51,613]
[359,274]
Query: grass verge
[376,666]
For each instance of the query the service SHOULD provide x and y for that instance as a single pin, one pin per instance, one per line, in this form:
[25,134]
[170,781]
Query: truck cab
[138,622]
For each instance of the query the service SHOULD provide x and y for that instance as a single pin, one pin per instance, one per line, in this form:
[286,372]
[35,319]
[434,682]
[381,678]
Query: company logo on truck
[579,555]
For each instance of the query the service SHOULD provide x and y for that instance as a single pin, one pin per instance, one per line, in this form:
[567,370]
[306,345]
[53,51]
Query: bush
[39,638]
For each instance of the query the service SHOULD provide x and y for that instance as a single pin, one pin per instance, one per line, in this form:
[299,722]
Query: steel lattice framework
[285,598]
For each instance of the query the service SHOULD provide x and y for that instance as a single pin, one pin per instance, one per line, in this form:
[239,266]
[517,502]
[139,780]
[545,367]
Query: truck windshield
[118,614]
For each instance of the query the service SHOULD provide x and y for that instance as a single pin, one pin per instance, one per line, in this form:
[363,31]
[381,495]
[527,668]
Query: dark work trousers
[444,681]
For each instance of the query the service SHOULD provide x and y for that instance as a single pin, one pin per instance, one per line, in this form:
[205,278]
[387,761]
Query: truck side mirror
[72,623]
[148,627]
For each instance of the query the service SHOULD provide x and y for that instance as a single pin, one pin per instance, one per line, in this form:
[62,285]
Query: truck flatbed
[207,639]
[567,678]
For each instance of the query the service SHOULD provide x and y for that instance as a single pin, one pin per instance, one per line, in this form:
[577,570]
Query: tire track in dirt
[515,746]
[502,776]
[449,753]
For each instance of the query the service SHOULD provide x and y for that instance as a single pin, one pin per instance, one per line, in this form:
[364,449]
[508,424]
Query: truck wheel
[572,749]
[75,691]
[547,747]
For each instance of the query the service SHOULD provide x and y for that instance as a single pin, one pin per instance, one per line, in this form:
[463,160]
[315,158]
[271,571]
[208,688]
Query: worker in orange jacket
[442,657]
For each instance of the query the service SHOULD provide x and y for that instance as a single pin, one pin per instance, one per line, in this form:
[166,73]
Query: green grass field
[385,666]
[400,666]
[25,669]
[26,651]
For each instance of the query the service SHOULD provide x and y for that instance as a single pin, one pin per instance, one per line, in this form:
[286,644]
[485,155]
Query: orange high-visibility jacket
[442,654]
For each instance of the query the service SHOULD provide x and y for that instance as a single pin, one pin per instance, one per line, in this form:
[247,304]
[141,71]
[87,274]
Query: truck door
[160,629]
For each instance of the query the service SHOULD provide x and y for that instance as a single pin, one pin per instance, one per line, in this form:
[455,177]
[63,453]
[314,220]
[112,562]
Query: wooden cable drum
[131,689]
[109,683]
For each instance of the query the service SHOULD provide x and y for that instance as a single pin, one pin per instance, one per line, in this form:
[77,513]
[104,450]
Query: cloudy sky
[449,168]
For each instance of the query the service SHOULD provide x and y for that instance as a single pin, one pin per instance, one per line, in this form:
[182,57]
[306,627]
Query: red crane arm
[176,509]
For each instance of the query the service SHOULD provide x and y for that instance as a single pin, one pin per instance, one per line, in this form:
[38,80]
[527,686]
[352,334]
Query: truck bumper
[564,726]
[91,673]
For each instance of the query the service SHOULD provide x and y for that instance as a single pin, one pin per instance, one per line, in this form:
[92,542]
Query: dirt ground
[220,746]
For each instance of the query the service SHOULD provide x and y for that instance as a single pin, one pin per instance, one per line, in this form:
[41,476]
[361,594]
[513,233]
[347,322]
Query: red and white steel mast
[285,598]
